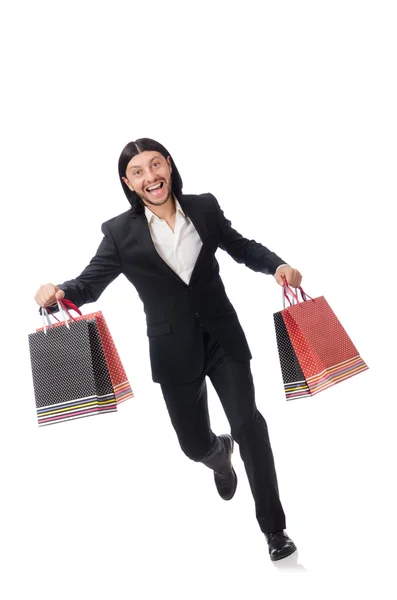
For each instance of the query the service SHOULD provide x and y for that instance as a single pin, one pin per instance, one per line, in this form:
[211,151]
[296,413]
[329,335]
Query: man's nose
[150,179]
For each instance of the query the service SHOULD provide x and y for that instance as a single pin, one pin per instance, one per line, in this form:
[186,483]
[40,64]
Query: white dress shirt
[179,248]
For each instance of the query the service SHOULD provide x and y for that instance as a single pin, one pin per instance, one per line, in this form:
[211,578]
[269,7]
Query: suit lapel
[143,238]
[191,207]
[146,246]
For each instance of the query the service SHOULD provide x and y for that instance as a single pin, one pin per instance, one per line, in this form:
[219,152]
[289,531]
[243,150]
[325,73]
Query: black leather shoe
[280,545]
[226,483]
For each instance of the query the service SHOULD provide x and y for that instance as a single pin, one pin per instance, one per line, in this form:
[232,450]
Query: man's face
[146,171]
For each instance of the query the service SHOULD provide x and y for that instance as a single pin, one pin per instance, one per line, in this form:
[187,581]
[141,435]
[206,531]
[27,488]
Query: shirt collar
[151,216]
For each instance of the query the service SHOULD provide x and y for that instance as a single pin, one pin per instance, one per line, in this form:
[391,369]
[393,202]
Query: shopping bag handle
[69,305]
[64,306]
[287,289]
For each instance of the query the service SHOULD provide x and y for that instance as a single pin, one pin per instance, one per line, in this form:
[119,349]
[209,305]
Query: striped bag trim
[123,392]
[297,389]
[74,409]
[333,375]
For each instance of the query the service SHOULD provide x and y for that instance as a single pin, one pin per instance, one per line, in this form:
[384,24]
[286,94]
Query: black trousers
[188,409]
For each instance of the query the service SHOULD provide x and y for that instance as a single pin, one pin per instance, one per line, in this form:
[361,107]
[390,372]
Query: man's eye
[136,172]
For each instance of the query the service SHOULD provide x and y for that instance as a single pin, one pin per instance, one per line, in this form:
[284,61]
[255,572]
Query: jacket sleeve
[103,268]
[255,256]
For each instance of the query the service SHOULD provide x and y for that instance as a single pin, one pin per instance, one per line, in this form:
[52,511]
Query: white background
[286,111]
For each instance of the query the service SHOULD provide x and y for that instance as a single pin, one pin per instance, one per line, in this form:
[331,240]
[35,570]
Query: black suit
[173,308]
[194,332]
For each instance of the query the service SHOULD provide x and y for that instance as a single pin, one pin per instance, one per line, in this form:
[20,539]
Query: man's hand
[293,277]
[47,295]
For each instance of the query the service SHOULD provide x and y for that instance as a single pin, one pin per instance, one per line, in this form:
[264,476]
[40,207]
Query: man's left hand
[293,277]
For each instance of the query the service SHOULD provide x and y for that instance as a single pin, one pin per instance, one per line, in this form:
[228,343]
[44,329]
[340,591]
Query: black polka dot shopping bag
[76,369]
[314,349]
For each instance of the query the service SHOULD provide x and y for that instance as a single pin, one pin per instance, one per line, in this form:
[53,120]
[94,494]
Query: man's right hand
[48,294]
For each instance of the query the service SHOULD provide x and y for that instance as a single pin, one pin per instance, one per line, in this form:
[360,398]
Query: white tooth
[155,187]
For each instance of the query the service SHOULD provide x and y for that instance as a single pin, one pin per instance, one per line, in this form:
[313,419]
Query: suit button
[189,288]
[197,314]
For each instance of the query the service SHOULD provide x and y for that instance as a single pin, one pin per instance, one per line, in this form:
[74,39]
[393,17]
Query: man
[165,246]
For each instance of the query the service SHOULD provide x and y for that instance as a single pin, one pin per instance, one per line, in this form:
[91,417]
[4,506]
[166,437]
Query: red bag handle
[303,294]
[66,304]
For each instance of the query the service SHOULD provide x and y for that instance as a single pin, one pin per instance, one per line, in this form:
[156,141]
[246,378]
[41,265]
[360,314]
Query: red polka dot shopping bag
[76,369]
[314,349]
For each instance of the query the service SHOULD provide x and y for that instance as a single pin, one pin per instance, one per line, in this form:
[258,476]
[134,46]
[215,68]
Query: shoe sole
[292,550]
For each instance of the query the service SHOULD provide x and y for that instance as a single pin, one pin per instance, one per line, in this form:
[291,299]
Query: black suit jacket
[174,310]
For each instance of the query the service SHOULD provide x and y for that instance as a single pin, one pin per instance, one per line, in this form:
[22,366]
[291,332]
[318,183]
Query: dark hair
[131,150]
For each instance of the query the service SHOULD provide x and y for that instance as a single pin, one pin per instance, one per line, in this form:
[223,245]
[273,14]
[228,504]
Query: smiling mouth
[155,188]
